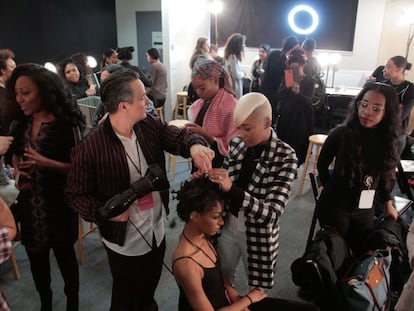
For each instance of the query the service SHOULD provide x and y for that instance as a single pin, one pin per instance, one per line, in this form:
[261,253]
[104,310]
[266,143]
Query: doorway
[149,34]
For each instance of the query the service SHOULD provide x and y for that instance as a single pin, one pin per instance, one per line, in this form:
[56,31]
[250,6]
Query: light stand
[333,76]
[216,7]
[327,75]
[216,28]
[409,39]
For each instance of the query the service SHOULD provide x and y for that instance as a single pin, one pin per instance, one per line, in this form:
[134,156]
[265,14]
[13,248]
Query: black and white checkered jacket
[263,203]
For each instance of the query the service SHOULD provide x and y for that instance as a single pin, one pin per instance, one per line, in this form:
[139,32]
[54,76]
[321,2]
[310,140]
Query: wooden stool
[91,227]
[314,140]
[181,104]
[159,112]
[13,261]
[172,159]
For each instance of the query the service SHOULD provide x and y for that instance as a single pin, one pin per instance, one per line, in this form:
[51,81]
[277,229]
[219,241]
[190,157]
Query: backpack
[318,98]
[317,272]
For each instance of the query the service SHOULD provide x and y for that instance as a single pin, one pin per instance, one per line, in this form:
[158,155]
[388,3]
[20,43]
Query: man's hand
[121,217]
[202,156]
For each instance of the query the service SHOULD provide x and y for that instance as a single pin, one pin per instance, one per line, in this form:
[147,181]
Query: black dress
[46,220]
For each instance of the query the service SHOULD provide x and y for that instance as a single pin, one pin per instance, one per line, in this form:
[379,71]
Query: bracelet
[248,297]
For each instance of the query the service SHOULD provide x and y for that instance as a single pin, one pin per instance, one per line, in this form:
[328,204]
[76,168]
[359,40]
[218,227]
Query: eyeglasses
[363,105]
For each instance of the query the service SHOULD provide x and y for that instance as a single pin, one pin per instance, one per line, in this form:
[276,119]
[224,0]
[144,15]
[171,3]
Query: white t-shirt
[146,216]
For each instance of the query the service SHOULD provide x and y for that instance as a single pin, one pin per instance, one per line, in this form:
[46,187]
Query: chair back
[316,189]
[316,184]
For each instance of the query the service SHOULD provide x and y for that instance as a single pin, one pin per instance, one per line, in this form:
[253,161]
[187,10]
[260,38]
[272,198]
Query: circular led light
[311,12]
[50,66]
[91,61]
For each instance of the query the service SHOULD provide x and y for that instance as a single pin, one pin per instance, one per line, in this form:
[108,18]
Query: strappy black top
[213,286]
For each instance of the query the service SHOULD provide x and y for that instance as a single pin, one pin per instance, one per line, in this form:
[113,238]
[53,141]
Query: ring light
[311,12]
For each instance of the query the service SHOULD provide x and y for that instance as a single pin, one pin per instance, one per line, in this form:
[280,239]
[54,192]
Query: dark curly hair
[62,67]
[296,55]
[388,130]
[198,195]
[56,99]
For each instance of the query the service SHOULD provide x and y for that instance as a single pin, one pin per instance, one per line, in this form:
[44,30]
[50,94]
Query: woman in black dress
[41,148]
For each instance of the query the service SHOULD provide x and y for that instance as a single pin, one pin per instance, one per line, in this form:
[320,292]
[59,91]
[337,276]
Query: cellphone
[296,77]
[289,79]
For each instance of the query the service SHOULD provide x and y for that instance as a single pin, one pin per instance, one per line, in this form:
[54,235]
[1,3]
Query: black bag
[317,272]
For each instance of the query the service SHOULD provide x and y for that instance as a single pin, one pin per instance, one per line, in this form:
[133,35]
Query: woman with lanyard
[364,149]
[394,73]
[212,114]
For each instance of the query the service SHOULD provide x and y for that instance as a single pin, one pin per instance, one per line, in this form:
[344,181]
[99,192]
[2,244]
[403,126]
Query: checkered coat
[263,203]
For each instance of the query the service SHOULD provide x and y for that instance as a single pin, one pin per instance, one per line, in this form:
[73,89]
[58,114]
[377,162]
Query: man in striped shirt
[113,156]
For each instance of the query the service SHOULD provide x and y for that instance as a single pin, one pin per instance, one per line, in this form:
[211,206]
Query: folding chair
[316,189]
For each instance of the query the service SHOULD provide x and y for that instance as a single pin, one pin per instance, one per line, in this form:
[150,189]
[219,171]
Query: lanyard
[138,168]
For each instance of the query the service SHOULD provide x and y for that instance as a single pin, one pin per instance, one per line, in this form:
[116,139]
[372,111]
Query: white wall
[183,22]
[126,24]
[395,33]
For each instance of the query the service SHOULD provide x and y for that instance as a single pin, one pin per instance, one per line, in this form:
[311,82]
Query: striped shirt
[100,169]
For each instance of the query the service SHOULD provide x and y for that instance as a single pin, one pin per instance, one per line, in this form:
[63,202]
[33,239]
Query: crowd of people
[245,150]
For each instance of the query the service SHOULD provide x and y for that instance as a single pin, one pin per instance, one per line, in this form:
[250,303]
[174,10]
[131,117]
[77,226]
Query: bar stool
[172,159]
[181,104]
[13,261]
[91,227]
[159,112]
[314,140]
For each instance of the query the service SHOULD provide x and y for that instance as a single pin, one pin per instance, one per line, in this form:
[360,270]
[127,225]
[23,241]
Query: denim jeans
[232,246]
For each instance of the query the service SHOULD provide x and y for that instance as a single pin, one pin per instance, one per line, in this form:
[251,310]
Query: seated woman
[296,117]
[364,149]
[212,113]
[196,264]
[76,82]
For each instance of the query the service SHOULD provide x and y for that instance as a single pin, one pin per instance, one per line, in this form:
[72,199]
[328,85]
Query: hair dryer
[154,180]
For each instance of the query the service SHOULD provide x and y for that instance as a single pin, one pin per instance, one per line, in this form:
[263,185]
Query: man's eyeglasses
[363,105]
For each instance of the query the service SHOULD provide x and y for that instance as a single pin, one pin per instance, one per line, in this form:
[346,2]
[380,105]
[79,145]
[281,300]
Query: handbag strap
[374,297]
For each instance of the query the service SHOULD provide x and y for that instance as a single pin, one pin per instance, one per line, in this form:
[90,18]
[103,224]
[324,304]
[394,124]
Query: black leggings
[68,265]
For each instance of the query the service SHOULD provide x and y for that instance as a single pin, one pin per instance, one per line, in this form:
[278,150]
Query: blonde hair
[251,103]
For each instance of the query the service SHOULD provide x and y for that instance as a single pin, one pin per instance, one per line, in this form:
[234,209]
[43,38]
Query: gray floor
[95,280]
